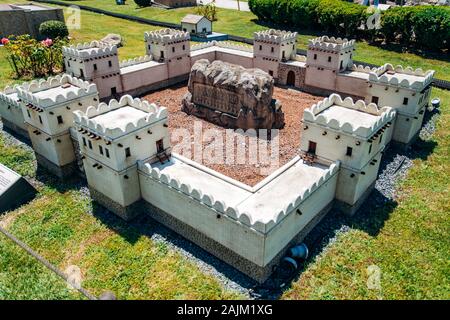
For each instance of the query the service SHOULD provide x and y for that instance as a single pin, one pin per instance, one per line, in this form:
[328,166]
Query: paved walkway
[227,4]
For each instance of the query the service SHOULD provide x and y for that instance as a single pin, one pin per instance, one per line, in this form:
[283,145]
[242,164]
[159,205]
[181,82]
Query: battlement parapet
[166,36]
[315,114]
[76,88]
[89,50]
[398,76]
[330,44]
[233,213]
[234,46]
[275,36]
[7,95]
[138,60]
[153,113]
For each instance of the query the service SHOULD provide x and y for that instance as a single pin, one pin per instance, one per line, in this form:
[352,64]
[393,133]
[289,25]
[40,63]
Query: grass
[411,245]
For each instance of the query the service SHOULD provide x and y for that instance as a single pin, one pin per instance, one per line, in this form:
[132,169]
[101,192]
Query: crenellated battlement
[8,95]
[138,60]
[89,50]
[221,44]
[330,44]
[275,36]
[166,36]
[70,88]
[221,207]
[153,113]
[409,78]
[315,114]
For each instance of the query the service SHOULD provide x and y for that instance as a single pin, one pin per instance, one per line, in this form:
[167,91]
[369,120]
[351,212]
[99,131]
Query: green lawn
[411,248]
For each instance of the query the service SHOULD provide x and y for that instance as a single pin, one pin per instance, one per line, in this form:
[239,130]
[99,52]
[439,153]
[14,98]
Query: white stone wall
[144,77]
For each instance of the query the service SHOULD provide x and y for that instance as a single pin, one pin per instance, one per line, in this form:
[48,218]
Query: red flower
[5,41]
[47,42]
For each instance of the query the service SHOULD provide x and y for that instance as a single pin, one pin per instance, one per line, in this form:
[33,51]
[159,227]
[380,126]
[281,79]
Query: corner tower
[172,47]
[270,47]
[353,133]
[95,62]
[325,58]
[113,138]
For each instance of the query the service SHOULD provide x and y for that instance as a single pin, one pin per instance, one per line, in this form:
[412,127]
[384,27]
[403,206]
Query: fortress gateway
[124,149]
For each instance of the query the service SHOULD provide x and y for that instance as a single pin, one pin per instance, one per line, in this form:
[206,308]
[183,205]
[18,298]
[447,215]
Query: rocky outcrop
[232,96]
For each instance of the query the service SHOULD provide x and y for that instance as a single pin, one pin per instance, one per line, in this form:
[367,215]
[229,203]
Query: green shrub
[431,26]
[419,26]
[341,16]
[303,13]
[143,3]
[53,29]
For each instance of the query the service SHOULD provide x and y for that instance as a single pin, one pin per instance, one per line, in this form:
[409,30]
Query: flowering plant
[32,58]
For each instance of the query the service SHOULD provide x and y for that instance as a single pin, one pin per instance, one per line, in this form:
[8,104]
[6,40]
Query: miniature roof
[193,18]
[273,35]
[118,118]
[89,49]
[55,90]
[355,118]
[166,35]
[332,44]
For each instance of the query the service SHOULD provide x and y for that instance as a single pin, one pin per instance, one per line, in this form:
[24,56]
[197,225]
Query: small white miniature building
[96,62]
[11,111]
[273,46]
[47,107]
[112,139]
[196,25]
[353,133]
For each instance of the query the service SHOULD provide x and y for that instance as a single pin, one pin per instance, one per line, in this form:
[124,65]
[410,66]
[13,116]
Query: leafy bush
[431,26]
[419,26]
[29,57]
[341,16]
[143,3]
[53,29]
[303,13]
[209,11]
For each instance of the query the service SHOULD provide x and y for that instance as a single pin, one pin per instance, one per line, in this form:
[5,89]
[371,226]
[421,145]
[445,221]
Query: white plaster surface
[119,118]
[220,49]
[139,67]
[259,205]
[354,117]
[52,93]
[198,179]
[266,204]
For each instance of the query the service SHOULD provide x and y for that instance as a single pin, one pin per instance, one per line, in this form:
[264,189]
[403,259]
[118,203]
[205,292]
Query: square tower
[406,90]
[95,62]
[272,46]
[47,108]
[172,47]
[11,111]
[112,139]
[353,133]
[325,58]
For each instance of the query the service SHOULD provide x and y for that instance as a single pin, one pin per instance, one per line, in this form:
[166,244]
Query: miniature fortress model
[124,149]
